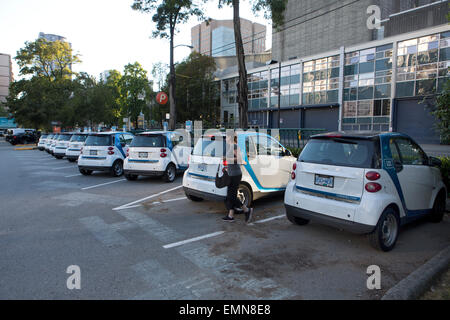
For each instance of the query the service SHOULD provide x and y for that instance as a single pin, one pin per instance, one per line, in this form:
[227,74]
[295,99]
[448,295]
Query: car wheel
[386,231]
[245,195]
[170,173]
[131,177]
[296,220]
[193,198]
[117,168]
[58,157]
[85,172]
[72,160]
[438,211]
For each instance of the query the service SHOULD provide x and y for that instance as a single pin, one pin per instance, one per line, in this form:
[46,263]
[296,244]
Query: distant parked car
[365,183]
[76,143]
[156,154]
[61,145]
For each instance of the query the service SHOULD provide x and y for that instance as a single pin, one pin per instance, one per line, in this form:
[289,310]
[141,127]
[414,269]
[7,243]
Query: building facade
[6,76]
[216,38]
[314,26]
[374,86]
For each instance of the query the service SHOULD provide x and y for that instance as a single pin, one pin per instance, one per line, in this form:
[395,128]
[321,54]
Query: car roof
[356,134]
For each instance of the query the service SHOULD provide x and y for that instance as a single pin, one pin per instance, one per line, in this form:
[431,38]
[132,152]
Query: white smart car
[104,151]
[365,183]
[266,171]
[48,142]
[53,143]
[42,141]
[61,145]
[75,145]
[159,153]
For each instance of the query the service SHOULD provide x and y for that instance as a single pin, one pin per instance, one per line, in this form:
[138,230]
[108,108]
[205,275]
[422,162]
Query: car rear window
[210,147]
[78,138]
[149,141]
[64,137]
[99,140]
[346,152]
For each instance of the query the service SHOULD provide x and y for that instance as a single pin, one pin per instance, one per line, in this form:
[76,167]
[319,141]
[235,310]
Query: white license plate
[93,152]
[324,181]
[143,154]
[202,167]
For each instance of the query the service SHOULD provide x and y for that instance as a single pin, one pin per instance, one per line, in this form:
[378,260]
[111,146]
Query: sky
[107,33]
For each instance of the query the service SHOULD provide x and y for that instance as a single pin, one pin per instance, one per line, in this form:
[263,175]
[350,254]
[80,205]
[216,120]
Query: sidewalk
[436,150]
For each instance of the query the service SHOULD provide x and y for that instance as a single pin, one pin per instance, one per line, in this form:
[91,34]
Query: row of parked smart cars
[364,183]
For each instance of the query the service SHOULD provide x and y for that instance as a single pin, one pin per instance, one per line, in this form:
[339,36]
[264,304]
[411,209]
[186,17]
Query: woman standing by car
[234,171]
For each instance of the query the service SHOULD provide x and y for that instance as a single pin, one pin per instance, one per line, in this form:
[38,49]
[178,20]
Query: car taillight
[293,175]
[163,150]
[373,187]
[189,160]
[294,166]
[128,152]
[110,148]
[225,163]
[372,176]
[163,155]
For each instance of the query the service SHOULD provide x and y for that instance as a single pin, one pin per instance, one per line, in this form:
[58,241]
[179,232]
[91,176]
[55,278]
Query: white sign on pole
[167,116]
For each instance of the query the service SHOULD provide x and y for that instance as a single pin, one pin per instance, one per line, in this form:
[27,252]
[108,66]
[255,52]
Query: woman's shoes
[249,215]
[228,219]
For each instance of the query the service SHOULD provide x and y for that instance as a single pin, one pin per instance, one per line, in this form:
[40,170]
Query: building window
[321,81]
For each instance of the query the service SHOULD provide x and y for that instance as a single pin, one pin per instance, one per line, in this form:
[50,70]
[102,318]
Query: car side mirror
[287,153]
[434,162]
[398,166]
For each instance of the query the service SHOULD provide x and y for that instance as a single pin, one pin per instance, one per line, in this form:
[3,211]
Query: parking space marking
[180,243]
[270,219]
[73,175]
[132,204]
[106,233]
[103,184]
[60,168]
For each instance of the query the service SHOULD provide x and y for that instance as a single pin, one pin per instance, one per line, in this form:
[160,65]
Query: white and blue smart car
[75,145]
[104,151]
[61,145]
[161,153]
[365,183]
[266,170]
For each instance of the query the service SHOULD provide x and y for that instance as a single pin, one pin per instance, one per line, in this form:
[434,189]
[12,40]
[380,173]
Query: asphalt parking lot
[144,240]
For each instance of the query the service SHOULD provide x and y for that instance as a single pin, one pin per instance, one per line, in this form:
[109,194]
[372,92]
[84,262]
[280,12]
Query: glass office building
[375,86]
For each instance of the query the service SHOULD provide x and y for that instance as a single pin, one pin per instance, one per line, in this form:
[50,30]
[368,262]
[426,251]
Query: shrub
[295,151]
[445,171]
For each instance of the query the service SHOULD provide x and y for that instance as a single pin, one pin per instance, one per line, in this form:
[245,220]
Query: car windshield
[99,140]
[44,136]
[78,138]
[64,137]
[210,147]
[56,137]
[347,152]
[149,141]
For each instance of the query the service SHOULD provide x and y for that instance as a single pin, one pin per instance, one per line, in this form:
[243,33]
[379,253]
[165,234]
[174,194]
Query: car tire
[296,220]
[58,157]
[72,160]
[85,172]
[117,168]
[131,177]
[385,235]
[245,195]
[170,173]
[193,198]
[437,213]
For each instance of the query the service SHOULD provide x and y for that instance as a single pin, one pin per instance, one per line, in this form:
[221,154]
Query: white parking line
[270,219]
[128,205]
[73,175]
[170,200]
[63,168]
[180,243]
[103,184]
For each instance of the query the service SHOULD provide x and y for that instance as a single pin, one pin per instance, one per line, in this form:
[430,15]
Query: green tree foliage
[197,92]
[135,91]
[442,113]
[168,14]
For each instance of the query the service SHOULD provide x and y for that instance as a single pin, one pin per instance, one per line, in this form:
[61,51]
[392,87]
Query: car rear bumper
[144,173]
[350,226]
[203,195]
[94,168]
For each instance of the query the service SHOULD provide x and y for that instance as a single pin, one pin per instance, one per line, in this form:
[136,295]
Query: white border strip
[73,175]
[103,184]
[180,243]
[131,204]
[270,219]
[63,168]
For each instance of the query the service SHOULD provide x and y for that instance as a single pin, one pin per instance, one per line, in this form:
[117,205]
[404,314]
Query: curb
[28,148]
[414,285]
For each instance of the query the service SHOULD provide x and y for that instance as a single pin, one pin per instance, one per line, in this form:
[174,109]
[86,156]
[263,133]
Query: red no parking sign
[162,98]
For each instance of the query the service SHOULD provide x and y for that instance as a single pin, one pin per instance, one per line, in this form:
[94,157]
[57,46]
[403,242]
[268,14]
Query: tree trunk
[172,84]
[242,86]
